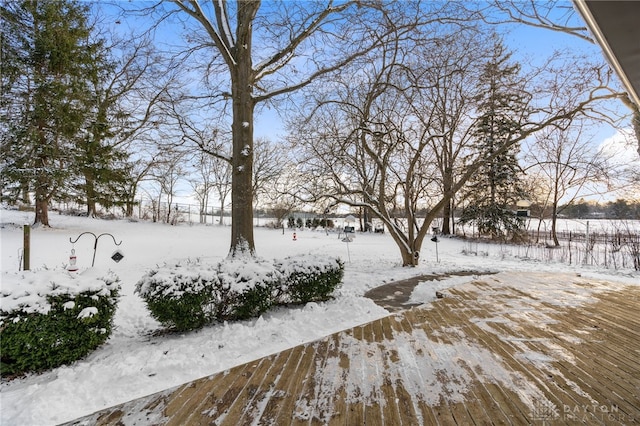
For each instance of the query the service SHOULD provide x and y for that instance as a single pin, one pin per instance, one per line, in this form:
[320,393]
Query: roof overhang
[616,27]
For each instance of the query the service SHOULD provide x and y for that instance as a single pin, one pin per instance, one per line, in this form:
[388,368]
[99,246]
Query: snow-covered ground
[135,361]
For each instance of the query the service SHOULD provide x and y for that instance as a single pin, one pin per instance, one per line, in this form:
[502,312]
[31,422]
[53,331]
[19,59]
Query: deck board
[503,349]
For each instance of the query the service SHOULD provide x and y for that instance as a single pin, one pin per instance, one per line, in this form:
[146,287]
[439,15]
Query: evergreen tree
[44,96]
[102,168]
[493,191]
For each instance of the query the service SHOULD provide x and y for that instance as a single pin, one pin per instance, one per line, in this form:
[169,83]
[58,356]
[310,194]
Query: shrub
[309,278]
[181,296]
[250,284]
[187,312]
[51,318]
[188,296]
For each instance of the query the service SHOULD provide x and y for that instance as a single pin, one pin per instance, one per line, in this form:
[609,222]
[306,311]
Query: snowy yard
[137,360]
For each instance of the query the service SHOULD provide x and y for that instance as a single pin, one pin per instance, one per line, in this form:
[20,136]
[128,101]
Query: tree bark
[554,212]
[554,218]
[242,242]
[91,197]
[446,219]
[42,184]
[42,209]
[408,247]
[447,210]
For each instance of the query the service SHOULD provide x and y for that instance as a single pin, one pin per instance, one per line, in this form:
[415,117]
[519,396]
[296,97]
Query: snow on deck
[509,348]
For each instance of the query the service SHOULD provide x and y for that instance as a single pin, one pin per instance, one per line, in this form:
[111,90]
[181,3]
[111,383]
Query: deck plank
[288,413]
[282,382]
[493,404]
[237,398]
[501,396]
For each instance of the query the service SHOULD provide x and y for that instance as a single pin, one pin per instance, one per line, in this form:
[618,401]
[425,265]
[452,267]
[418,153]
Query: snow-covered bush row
[189,295]
[53,317]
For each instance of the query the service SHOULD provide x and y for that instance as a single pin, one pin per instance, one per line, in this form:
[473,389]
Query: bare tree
[138,172]
[370,149]
[203,183]
[445,106]
[270,160]
[221,179]
[269,52]
[126,92]
[565,163]
[168,172]
[368,145]
[559,18]
[281,195]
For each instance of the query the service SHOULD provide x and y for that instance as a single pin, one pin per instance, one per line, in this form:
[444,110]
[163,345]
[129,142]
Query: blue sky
[527,43]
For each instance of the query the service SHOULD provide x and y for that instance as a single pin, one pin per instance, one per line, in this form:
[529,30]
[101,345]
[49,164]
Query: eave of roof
[614,24]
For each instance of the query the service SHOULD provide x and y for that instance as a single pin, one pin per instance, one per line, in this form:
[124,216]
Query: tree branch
[223,44]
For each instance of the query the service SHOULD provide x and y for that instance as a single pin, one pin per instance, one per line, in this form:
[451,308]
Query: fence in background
[615,250]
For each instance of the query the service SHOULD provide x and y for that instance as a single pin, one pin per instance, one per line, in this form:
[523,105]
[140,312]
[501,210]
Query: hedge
[190,295]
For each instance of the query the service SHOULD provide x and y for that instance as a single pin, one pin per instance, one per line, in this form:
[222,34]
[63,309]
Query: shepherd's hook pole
[95,243]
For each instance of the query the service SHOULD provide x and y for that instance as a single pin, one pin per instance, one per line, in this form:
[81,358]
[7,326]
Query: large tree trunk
[554,211]
[130,200]
[25,194]
[129,204]
[554,219]
[242,242]
[446,219]
[241,181]
[408,259]
[447,210]
[42,209]
[128,212]
[409,244]
[406,248]
[42,193]
[91,196]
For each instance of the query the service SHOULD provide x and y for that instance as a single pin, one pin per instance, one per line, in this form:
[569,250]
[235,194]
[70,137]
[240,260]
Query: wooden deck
[504,349]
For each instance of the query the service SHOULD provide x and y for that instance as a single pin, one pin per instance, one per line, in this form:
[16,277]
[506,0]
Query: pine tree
[44,97]
[102,168]
[495,188]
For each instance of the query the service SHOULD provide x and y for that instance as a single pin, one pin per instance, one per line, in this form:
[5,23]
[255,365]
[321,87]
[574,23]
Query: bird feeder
[523,208]
[72,262]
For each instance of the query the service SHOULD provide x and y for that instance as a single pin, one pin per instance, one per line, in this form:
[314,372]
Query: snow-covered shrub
[191,295]
[181,296]
[50,318]
[309,278]
[250,286]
